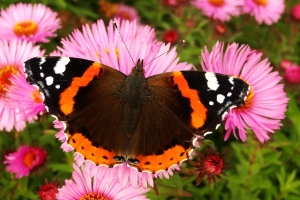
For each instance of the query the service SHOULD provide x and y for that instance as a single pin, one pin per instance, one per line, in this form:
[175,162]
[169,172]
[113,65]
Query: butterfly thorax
[135,93]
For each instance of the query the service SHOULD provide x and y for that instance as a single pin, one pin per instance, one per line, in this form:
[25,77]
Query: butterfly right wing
[183,106]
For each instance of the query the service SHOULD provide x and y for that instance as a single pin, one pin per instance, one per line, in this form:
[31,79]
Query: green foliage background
[267,171]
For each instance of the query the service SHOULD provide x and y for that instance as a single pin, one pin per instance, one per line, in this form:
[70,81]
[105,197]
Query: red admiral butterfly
[149,123]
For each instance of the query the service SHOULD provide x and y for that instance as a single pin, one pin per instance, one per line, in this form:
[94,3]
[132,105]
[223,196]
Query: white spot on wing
[211,103]
[64,124]
[209,132]
[247,93]
[49,80]
[229,94]
[191,152]
[42,74]
[195,141]
[43,59]
[220,98]
[54,117]
[67,140]
[182,160]
[117,165]
[224,114]
[231,80]
[60,66]
[43,97]
[212,81]
[57,86]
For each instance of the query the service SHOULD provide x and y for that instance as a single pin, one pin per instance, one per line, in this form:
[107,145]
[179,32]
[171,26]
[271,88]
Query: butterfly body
[149,123]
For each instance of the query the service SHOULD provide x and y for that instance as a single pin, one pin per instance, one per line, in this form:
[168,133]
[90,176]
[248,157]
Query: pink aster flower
[12,113]
[296,12]
[292,74]
[88,42]
[31,22]
[266,101]
[24,160]
[55,53]
[125,12]
[219,9]
[264,11]
[98,186]
[105,45]
[25,97]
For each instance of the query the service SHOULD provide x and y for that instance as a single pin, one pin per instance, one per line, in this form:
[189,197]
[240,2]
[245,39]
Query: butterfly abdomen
[134,93]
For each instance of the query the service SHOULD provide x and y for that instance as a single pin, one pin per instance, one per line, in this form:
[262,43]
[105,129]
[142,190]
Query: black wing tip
[32,61]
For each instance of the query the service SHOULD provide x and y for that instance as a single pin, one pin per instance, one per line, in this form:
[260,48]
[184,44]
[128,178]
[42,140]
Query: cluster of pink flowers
[22,26]
[264,11]
[21,102]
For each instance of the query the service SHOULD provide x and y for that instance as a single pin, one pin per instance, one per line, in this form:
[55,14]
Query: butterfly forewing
[200,99]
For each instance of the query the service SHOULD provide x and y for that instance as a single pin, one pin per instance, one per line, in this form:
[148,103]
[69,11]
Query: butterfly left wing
[83,94]
[183,105]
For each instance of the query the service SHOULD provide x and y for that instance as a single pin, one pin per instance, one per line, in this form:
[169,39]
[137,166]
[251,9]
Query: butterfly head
[138,69]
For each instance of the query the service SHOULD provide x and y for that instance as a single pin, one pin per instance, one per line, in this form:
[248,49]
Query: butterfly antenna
[116,27]
[183,41]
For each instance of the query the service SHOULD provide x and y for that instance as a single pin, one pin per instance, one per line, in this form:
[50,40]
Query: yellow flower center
[261,2]
[29,158]
[248,102]
[217,3]
[98,55]
[116,51]
[26,28]
[5,75]
[36,96]
[93,196]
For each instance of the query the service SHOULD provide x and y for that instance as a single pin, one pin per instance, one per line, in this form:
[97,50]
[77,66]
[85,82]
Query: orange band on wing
[66,101]
[97,155]
[154,163]
[198,115]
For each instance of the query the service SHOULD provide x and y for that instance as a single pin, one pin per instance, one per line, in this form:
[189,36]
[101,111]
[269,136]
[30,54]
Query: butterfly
[149,123]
